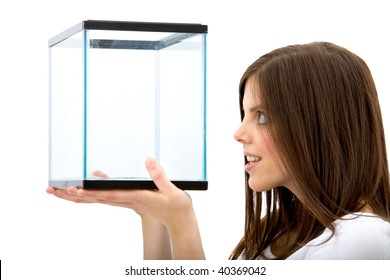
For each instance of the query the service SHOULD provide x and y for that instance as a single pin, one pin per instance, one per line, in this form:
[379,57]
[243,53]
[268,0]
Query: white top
[356,237]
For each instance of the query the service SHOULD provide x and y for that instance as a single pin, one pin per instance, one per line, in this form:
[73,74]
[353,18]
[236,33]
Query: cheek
[265,144]
[272,168]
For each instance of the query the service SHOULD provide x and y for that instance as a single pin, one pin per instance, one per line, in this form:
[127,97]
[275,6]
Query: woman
[317,178]
[320,123]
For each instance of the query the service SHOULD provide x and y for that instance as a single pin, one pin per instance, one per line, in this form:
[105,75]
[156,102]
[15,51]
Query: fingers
[127,198]
[137,200]
[69,194]
[158,175]
[50,190]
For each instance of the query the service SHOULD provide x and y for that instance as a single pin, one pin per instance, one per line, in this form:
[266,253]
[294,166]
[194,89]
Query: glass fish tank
[121,92]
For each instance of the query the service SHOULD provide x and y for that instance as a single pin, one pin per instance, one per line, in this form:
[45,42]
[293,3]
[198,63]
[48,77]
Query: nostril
[238,138]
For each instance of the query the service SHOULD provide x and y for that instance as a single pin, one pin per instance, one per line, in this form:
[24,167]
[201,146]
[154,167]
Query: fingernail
[150,163]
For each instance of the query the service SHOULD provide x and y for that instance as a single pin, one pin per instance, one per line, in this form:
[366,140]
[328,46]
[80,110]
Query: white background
[45,238]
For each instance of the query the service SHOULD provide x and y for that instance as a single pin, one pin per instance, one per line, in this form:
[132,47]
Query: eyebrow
[258,107]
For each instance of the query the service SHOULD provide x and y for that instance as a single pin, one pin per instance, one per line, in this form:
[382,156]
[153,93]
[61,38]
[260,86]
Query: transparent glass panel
[145,102]
[120,109]
[66,110]
[181,84]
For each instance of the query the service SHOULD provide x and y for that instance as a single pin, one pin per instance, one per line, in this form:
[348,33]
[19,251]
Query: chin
[257,187]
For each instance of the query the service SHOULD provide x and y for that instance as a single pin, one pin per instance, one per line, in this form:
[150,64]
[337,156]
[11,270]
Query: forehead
[251,96]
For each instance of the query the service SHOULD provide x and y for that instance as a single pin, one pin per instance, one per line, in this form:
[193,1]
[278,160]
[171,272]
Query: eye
[261,119]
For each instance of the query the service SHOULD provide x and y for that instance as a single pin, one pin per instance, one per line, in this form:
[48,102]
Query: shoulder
[357,236]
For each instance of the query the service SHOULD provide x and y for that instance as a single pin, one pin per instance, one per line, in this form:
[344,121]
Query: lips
[252,162]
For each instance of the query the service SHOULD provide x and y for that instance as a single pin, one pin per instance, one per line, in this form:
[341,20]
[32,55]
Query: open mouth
[252,161]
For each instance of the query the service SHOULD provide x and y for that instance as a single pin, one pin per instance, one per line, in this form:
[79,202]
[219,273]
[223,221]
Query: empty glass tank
[124,91]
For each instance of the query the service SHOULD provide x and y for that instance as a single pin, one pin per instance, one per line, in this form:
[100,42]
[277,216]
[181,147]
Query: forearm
[186,240]
[156,241]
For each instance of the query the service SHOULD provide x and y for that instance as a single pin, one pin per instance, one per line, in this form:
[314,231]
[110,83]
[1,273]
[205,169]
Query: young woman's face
[265,169]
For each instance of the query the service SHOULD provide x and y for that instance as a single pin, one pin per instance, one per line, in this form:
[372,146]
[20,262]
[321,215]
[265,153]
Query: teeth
[252,158]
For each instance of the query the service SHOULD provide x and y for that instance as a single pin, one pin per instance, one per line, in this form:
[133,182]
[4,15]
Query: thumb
[157,174]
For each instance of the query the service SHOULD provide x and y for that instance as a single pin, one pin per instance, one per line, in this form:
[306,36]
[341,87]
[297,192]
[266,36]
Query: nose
[240,135]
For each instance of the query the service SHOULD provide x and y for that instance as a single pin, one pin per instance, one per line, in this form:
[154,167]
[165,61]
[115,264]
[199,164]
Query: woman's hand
[168,204]
[162,204]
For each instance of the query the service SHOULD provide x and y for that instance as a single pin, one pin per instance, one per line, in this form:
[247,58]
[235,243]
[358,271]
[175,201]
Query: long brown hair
[326,124]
